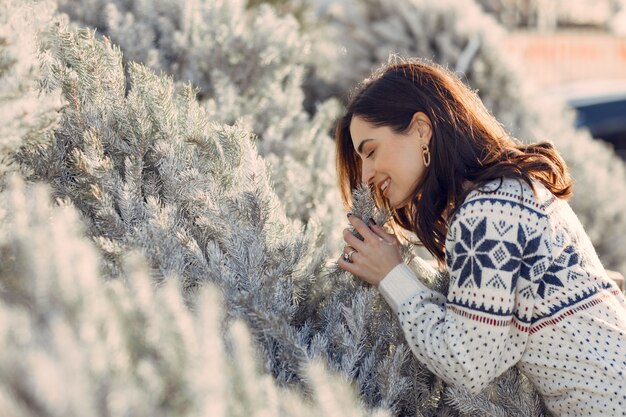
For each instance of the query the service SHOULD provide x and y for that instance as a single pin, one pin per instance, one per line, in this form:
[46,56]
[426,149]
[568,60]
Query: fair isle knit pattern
[526,289]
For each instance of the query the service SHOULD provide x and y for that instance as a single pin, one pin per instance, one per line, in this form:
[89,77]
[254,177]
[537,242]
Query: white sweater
[526,289]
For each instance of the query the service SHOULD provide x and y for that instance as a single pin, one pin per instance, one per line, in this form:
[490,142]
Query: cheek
[412,167]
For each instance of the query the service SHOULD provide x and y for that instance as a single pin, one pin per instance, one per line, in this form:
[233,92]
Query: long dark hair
[468,145]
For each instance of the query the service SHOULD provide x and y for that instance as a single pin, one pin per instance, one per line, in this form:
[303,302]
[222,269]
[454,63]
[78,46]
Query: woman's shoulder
[505,208]
[512,193]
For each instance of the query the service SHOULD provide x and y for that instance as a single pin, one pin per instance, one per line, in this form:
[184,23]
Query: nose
[367,173]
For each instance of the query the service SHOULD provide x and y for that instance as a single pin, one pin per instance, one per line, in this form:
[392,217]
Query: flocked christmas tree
[150,173]
[75,345]
[248,64]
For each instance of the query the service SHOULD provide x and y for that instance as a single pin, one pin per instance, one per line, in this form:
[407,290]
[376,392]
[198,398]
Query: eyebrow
[360,148]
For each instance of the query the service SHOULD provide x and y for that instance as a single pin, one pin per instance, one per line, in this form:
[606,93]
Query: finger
[382,233]
[361,227]
[353,241]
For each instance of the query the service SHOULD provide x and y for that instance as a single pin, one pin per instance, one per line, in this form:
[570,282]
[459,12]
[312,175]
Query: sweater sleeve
[481,328]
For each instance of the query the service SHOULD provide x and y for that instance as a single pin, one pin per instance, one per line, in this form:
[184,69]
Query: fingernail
[371,221]
[349,214]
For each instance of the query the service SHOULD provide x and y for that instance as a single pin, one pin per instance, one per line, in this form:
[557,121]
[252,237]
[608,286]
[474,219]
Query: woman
[526,286]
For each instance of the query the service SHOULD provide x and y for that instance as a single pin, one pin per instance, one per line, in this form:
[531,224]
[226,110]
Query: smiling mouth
[385,187]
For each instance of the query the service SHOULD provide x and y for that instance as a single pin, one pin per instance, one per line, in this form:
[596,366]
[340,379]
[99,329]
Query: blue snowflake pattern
[568,258]
[471,253]
[524,258]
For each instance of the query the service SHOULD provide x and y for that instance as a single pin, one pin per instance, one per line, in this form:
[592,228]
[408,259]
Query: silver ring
[348,256]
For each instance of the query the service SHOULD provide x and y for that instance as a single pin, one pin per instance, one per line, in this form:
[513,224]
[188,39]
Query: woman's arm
[481,328]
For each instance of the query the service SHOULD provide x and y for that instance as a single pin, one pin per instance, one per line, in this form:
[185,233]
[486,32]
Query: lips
[384,186]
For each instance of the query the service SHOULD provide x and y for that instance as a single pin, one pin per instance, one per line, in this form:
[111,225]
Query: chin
[400,204]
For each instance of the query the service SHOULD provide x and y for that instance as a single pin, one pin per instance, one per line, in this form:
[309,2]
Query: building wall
[553,59]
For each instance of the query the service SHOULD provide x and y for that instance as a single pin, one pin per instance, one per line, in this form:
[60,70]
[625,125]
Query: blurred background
[574,50]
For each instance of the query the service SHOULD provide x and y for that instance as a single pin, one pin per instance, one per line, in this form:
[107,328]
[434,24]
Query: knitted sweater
[526,289]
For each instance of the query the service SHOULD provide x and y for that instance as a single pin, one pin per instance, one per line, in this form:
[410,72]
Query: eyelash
[369,154]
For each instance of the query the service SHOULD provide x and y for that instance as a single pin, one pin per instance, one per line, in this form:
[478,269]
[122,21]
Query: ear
[421,124]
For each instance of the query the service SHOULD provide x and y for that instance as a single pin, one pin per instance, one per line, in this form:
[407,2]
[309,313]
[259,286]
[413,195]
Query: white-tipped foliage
[149,166]
[75,345]
[248,65]
[23,113]
[457,34]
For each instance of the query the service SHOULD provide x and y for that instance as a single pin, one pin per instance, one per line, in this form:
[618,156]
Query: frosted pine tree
[248,64]
[23,114]
[458,34]
[149,173]
[74,344]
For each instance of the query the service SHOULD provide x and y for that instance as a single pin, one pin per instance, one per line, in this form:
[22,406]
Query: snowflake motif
[525,261]
[472,253]
[568,258]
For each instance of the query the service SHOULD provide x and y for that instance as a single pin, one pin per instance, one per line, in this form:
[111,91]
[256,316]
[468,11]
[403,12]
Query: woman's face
[390,161]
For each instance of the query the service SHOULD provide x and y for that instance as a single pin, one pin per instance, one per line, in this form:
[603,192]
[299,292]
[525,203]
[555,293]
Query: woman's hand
[373,258]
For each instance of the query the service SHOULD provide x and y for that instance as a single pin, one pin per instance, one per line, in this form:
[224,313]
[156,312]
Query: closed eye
[369,154]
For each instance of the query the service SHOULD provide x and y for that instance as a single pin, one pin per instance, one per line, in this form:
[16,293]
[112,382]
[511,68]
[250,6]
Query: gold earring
[425,155]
